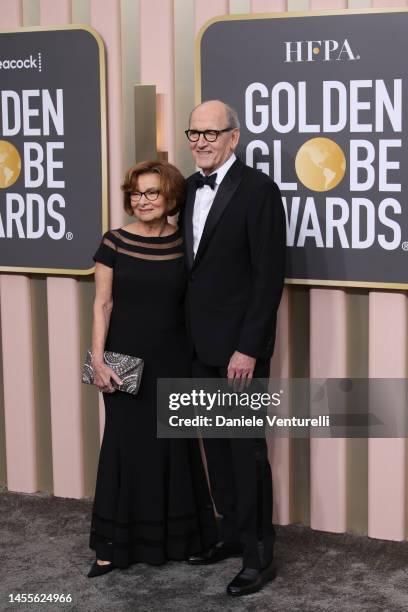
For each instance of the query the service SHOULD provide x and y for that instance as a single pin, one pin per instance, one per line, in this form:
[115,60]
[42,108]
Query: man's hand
[240,370]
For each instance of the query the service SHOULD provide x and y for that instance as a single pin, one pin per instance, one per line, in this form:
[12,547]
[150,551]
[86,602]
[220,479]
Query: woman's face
[147,201]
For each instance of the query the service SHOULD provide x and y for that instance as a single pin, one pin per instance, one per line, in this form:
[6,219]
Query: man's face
[211,155]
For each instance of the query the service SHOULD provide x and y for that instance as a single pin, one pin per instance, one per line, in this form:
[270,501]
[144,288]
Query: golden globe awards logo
[53,178]
[322,115]
[320,163]
[32,114]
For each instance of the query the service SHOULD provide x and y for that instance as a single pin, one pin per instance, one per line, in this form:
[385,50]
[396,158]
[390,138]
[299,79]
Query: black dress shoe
[100,570]
[219,552]
[250,580]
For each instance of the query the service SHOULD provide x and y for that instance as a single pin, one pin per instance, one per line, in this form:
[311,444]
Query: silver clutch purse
[129,369]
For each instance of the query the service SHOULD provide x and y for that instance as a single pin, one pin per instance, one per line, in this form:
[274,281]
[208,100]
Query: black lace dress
[151,500]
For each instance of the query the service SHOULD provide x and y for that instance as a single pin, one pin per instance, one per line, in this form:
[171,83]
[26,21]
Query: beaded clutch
[129,369]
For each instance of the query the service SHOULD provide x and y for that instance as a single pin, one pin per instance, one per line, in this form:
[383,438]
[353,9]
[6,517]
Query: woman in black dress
[151,500]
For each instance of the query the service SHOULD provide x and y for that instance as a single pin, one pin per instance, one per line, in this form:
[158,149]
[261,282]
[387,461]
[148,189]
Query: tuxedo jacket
[236,279]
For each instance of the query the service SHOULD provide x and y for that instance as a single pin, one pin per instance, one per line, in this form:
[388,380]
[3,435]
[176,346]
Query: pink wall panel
[63,338]
[65,387]
[106,19]
[328,353]
[55,12]
[207,10]
[19,405]
[11,14]
[280,448]
[16,336]
[386,457]
[157,60]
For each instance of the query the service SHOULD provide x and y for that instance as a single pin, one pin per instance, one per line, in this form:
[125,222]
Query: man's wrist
[247,352]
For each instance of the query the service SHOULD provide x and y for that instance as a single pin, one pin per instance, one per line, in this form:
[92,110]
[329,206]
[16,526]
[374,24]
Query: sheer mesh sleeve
[106,253]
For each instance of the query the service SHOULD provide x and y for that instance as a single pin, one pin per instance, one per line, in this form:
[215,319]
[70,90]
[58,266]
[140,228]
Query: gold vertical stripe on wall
[298,5]
[41,372]
[268,6]
[81,11]
[239,6]
[359,4]
[31,12]
[357,448]
[389,3]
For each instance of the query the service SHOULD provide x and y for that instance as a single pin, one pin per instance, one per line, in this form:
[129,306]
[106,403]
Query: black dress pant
[241,483]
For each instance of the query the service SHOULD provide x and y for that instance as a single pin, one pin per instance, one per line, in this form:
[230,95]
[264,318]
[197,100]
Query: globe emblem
[10,164]
[320,164]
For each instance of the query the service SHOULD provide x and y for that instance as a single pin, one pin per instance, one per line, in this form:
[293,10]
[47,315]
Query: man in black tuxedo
[234,232]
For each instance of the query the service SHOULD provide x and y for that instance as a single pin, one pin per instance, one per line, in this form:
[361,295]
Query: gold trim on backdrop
[54,271]
[144,99]
[355,284]
[290,15]
[104,159]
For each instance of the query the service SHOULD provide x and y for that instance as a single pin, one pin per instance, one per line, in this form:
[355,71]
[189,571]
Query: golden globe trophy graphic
[320,164]
[10,164]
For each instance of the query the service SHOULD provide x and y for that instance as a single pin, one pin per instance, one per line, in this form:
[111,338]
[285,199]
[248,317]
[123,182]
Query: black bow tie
[201,180]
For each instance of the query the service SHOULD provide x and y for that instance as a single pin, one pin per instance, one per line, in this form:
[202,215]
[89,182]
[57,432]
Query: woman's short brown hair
[172,183]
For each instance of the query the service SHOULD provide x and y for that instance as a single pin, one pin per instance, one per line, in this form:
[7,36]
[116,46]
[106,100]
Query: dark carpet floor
[44,549]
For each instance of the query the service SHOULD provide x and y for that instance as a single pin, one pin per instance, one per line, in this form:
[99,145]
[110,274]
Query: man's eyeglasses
[209,135]
[150,194]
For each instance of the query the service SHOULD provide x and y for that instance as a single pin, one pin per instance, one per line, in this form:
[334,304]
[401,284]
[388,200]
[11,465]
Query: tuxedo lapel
[223,197]
[188,223]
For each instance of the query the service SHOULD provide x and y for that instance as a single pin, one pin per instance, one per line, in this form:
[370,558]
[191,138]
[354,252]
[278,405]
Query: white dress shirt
[204,199]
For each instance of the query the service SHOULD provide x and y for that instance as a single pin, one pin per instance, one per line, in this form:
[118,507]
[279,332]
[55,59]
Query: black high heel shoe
[100,570]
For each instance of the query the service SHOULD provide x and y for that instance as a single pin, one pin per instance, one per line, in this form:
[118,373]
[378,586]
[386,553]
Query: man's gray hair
[232,115]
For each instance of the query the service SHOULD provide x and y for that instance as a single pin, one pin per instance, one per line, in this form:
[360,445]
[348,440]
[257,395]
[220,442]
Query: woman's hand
[103,376]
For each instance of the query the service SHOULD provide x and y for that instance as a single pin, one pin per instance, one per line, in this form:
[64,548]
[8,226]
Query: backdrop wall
[50,424]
